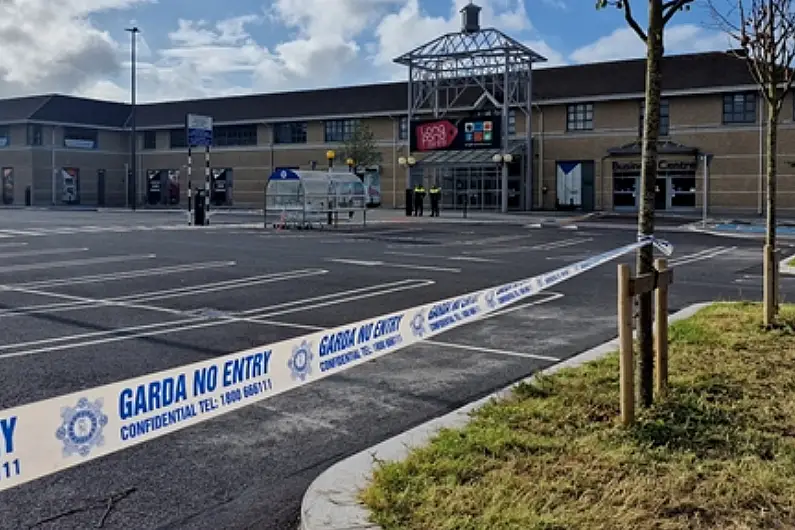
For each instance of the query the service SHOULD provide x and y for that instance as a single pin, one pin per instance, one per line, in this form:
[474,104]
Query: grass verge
[791,262]
[718,453]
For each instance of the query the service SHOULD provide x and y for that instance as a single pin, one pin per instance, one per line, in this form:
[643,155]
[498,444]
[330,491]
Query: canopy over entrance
[665,147]
[469,157]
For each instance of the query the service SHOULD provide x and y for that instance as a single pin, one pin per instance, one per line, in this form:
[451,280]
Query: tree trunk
[771,264]
[645,257]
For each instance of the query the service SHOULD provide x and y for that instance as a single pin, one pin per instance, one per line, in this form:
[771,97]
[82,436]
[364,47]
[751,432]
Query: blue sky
[201,48]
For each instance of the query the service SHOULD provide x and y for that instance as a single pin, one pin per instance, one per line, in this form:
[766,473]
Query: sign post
[200,133]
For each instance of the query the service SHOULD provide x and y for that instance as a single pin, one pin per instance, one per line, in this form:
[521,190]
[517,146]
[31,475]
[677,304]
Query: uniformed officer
[419,198]
[435,194]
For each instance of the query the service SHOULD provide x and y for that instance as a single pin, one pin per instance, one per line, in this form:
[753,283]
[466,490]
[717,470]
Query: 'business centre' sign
[482,132]
[662,165]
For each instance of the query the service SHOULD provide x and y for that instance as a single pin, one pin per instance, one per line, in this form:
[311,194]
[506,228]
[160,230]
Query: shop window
[683,192]
[579,117]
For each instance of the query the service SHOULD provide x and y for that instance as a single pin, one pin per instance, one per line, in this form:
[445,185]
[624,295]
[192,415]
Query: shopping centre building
[586,124]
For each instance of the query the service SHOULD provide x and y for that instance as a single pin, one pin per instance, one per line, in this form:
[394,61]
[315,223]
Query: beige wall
[695,122]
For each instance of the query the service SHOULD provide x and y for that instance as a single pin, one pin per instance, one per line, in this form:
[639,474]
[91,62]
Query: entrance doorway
[479,188]
[575,185]
[661,195]
[675,188]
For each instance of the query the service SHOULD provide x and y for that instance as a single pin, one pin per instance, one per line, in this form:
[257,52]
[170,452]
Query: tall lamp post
[133,186]
[330,156]
[502,161]
[408,163]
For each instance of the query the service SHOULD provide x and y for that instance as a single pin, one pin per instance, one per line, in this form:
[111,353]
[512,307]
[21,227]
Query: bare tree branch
[671,7]
[631,20]
[624,5]
[765,32]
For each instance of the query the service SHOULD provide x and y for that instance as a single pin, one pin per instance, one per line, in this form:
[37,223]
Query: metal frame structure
[450,68]
[313,199]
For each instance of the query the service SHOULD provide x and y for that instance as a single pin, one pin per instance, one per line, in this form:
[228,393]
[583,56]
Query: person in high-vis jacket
[419,199]
[435,193]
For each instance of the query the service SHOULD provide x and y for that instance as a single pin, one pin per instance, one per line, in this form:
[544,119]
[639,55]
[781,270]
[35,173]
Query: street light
[502,161]
[330,155]
[350,163]
[133,131]
[499,159]
[408,163]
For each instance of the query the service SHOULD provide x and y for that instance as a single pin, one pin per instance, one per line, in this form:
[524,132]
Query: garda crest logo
[300,363]
[81,427]
[417,324]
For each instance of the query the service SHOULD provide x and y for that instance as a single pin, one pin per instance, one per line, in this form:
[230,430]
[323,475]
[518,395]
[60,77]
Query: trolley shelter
[313,199]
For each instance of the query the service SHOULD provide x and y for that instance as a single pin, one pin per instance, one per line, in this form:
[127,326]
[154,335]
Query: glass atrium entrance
[472,180]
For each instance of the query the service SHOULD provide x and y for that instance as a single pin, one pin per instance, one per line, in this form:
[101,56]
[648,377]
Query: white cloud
[50,48]
[623,43]
[330,43]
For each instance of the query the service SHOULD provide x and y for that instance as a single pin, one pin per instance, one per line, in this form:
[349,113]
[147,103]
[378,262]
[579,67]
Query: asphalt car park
[90,306]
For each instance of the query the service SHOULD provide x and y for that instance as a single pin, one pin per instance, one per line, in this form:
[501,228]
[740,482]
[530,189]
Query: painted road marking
[479,349]
[473,259]
[364,263]
[41,252]
[700,256]
[547,299]
[124,275]
[89,303]
[161,328]
[74,262]
[563,243]
[10,245]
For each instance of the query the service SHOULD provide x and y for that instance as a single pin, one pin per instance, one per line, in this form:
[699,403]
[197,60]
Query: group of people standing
[419,199]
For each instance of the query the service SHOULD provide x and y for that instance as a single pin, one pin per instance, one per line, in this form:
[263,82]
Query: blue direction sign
[200,130]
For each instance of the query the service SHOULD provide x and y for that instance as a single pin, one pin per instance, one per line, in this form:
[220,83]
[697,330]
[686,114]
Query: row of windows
[226,136]
[737,108]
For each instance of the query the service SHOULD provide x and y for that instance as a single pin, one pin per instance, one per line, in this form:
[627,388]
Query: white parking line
[259,316]
[125,275]
[41,252]
[473,259]
[74,262]
[16,244]
[364,263]
[563,243]
[552,296]
[80,303]
[480,349]
[700,256]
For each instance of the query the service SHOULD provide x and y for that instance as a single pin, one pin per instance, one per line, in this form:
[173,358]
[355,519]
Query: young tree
[361,148]
[765,32]
[660,13]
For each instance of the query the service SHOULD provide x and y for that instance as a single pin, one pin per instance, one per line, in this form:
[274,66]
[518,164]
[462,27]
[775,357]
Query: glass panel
[624,192]
[683,192]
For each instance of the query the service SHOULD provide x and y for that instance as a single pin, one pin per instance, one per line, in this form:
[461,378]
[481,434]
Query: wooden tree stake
[661,330]
[626,359]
